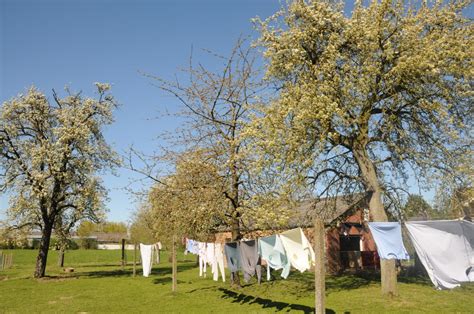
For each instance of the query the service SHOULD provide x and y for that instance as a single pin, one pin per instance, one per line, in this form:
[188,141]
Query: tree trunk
[174,266]
[235,229]
[377,211]
[62,249]
[319,267]
[42,257]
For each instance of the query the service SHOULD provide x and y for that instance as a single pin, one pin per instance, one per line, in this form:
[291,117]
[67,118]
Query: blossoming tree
[363,98]
[50,154]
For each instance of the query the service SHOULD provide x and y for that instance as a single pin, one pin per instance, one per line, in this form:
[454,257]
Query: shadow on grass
[161,271]
[106,273]
[404,277]
[266,303]
[55,278]
[103,265]
[156,271]
[165,280]
[355,281]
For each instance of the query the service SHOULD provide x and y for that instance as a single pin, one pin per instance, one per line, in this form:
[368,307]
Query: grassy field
[99,285]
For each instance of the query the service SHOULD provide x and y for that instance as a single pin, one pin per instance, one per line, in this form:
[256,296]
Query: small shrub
[88,243]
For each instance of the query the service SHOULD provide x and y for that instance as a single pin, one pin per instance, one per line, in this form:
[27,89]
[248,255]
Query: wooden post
[123,254]
[174,266]
[319,268]
[134,260]
[1,260]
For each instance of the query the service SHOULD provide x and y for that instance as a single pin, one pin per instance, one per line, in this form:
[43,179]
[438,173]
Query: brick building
[349,243]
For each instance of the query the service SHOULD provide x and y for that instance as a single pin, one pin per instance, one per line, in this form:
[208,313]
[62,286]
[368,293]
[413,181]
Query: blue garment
[388,237]
[250,260]
[272,251]
[192,246]
[232,253]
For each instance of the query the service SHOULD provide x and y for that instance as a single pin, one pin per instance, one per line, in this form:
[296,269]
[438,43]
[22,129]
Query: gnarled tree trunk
[377,211]
[42,257]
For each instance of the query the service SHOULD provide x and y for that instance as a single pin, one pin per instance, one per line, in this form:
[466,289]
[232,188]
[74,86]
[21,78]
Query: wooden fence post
[174,267]
[123,254]
[1,260]
[134,259]
[319,267]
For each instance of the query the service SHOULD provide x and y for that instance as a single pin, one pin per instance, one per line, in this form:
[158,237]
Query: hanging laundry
[157,249]
[250,260]
[445,249]
[272,251]
[218,263]
[202,252]
[298,249]
[210,255]
[146,252]
[192,246]
[388,238]
[232,253]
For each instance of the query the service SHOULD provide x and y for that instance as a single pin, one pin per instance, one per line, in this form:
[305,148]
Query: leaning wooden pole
[319,268]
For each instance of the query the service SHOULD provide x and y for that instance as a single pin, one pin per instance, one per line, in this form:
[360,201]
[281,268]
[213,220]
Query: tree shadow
[100,265]
[165,280]
[161,271]
[61,277]
[155,271]
[403,277]
[106,273]
[265,303]
[340,283]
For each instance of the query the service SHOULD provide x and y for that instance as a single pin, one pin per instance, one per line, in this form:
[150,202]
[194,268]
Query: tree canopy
[367,99]
[51,153]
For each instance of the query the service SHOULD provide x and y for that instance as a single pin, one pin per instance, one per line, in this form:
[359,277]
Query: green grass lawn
[99,285]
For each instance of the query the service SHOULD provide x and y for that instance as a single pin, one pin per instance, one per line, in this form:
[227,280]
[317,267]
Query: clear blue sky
[53,43]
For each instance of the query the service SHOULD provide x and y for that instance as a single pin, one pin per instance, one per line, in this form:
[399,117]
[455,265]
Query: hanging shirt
[445,249]
[192,246]
[210,254]
[218,264]
[250,260]
[146,252]
[202,252]
[232,253]
[388,238]
[298,249]
[272,251]
[157,248]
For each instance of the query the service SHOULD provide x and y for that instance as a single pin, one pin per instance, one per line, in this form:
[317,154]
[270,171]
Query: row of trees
[345,104]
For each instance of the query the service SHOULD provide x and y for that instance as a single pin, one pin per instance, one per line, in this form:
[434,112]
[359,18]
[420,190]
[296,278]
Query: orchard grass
[98,285]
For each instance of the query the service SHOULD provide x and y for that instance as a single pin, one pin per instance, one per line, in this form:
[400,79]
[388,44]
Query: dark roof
[110,237]
[330,209]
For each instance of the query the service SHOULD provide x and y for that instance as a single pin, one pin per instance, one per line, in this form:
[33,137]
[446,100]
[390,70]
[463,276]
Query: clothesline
[281,251]
[445,248]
